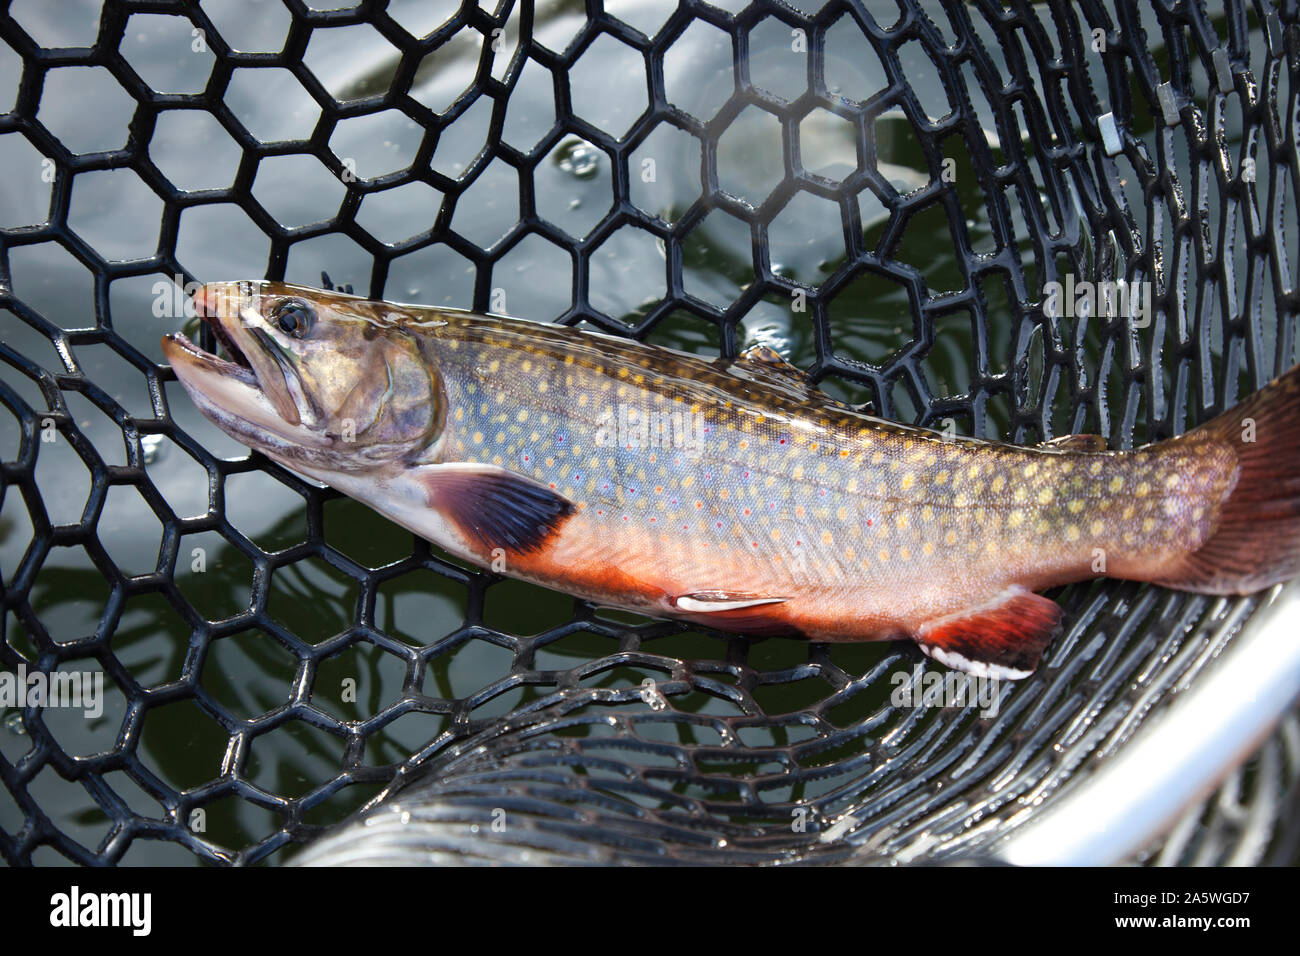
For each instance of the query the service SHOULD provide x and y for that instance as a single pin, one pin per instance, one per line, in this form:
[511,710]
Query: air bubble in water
[579,159]
[14,724]
[151,446]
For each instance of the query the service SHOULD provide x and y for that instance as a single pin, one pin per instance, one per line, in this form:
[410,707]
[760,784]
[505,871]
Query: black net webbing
[881,191]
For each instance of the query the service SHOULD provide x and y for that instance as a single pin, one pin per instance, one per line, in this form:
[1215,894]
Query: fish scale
[732,493]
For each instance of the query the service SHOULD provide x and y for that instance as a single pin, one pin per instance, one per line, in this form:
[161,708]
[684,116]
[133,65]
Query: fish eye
[293,317]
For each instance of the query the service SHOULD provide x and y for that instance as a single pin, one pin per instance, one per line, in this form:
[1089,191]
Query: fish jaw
[230,308]
[232,397]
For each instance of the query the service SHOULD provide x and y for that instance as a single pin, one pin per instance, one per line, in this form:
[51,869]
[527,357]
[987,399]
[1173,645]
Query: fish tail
[1255,542]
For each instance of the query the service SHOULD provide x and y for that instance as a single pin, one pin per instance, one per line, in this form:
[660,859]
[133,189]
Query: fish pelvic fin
[1255,543]
[1002,639]
[494,508]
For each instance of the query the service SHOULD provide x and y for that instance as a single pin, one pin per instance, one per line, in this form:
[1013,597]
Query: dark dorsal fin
[1077,443]
[768,362]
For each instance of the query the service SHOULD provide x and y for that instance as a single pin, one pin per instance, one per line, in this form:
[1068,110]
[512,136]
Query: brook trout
[732,494]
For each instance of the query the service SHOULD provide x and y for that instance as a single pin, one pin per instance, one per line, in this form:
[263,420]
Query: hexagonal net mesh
[879,190]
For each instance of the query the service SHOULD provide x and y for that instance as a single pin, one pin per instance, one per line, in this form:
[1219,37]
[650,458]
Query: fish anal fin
[1076,443]
[495,508]
[1001,639]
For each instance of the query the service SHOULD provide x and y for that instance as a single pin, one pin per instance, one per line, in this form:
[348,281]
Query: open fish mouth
[252,358]
[238,368]
[234,363]
[249,380]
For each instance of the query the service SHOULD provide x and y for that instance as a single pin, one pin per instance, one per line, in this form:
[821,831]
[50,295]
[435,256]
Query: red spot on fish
[868,522]
[699,505]
[781,442]
[746,511]
[719,524]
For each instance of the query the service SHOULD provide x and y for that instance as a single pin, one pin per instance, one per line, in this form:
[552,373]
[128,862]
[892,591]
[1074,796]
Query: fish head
[310,377]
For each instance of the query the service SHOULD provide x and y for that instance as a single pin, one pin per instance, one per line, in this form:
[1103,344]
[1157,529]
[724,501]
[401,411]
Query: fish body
[728,493]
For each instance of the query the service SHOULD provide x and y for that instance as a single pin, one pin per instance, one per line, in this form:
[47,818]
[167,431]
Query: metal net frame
[1094,159]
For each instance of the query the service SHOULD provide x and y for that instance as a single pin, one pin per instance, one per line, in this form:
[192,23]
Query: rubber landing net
[1068,141]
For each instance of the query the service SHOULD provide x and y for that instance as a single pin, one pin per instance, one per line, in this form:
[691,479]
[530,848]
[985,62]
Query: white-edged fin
[1003,638]
[715,602]
[974,668]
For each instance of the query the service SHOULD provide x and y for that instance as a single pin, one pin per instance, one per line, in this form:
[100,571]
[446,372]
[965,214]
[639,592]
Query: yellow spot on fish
[1097,528]
[997,484]
[1075,506]
[901,521]
[1116,484]
[478,438]
[1094,468]
[1142,490]
[883,555]
[927,549]
[1045,496]
[1015,519]
[908,480]
[1071,533]
[826,537]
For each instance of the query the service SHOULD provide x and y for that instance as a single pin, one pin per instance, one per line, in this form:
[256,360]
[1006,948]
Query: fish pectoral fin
[719,602]
[1002,639]
[1076,443]
[493,507]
